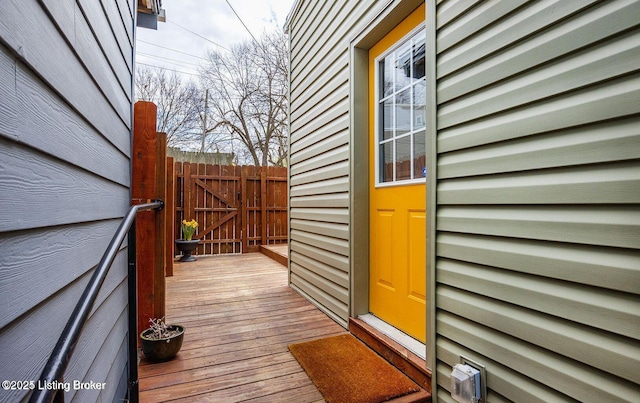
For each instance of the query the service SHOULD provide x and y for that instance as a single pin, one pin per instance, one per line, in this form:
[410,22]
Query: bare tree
[275,63]
[177,102]
[248,88]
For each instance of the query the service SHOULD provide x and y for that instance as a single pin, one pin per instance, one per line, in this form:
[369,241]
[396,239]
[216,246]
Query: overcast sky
[211,19]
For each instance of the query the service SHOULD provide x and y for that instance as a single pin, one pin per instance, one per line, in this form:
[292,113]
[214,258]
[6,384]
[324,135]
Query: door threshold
[406,341]
[396,354]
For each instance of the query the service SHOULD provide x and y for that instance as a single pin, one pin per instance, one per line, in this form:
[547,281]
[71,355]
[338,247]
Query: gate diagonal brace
[217,224]
[213,192]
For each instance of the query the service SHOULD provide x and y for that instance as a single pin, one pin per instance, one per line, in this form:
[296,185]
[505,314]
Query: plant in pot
[186,244]
[161,342]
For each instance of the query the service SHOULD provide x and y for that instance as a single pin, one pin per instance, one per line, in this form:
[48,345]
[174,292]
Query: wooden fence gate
[238,208]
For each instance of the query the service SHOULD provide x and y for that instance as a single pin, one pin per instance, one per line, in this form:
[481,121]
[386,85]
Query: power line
[165,68]
[198,35]
[195,70]
[173,50]
[166,58]
[242,22]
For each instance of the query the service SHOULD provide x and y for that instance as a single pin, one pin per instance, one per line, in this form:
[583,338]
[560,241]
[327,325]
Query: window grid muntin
[409,43]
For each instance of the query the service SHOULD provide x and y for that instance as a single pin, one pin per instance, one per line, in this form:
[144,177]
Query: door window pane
[419,155]
[402,111]
[403,66]
[403,158]
[386,74]
[418,58]
[387,123]
[419,107]
[386,162]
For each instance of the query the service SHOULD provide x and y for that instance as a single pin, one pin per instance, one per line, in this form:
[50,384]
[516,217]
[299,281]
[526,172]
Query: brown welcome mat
[345,370]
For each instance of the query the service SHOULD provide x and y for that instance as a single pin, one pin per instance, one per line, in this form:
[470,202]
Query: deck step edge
[274,255]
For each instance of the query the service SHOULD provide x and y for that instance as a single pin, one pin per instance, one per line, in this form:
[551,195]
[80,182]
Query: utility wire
[166,58]
[242,22]
[168,69]
[173,50]
[182,66]
[198,35]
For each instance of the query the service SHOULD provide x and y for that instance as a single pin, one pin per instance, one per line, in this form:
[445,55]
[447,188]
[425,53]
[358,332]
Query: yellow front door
[397,170]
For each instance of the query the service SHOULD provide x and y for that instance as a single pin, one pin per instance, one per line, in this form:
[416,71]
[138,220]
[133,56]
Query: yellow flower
[188,228]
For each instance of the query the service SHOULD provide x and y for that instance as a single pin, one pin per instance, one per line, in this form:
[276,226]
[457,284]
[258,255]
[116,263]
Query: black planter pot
[159,350]
[187,247]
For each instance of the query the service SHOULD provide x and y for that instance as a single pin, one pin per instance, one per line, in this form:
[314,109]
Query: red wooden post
[159,268]
[243,209]
[170,207]
[263,204]
[144,187]
[237,188]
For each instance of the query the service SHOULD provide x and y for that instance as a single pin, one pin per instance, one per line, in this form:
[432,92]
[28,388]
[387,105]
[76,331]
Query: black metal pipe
[61,354]
[132,280]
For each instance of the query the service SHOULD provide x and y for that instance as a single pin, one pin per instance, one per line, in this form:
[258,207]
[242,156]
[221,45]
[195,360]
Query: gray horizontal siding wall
[320,33]
[538,197]
[65,124]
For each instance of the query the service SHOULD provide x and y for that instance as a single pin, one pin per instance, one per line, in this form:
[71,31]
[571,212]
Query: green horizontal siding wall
[538,197]
[319,34]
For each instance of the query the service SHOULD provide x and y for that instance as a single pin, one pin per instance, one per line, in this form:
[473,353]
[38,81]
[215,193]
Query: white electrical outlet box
[465,384]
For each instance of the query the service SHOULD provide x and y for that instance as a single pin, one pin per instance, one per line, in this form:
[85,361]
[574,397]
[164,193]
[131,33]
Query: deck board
[240,316]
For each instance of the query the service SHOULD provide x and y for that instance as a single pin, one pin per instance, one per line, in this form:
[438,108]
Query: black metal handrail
[61,354]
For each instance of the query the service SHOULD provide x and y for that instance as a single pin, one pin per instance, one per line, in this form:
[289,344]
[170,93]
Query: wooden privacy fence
[238,208]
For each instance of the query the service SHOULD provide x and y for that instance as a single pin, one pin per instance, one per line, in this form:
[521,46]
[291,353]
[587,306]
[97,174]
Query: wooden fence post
[147,183]
[243,209]
[263,204]
[170,207]
[159,268]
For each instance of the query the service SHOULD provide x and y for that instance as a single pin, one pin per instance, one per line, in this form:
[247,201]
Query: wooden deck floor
[240,316]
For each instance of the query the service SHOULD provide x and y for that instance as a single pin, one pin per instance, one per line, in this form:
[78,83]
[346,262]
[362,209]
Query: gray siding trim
[65,121]
[47,52]
[103,331]
[39,112]
[29,176]
[116,53]
[111,351]
[28,262]
[536,221]
[27,341]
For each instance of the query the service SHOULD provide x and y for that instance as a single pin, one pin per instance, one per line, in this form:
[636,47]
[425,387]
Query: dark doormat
[345,370]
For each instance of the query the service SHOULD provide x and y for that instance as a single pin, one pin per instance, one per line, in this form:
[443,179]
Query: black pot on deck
[187,247]
[161,349]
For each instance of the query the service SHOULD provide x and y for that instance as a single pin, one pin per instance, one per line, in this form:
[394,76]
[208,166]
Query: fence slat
[238,207]
[243,208]
[263,204]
